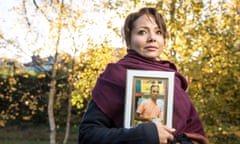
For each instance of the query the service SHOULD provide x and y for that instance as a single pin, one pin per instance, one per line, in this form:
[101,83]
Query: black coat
[97,128]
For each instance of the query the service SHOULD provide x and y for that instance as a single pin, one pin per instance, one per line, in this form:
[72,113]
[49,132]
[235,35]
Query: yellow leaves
[69,70]
[60,85]
[41,76]
[92,63]
[1,96]
[25,75]
[78,102]
[224,132]
[79,106]
[27,118]
[12,89]
[41,109]
[2,123]
[26,103]
[12,81]
[18,71]
[30,101]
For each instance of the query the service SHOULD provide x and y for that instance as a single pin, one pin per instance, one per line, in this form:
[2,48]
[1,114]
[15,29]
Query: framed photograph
[149,97]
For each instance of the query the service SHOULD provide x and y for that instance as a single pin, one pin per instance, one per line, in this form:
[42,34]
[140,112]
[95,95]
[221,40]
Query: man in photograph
[149,110]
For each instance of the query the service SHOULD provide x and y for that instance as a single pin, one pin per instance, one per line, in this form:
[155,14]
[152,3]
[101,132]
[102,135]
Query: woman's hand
[165,134]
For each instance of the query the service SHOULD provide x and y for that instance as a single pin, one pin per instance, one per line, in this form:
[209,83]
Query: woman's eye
[141,32]
[159,32]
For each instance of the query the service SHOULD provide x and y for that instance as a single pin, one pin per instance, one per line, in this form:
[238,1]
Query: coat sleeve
[96,127]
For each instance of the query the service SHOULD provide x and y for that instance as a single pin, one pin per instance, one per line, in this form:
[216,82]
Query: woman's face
[146,37]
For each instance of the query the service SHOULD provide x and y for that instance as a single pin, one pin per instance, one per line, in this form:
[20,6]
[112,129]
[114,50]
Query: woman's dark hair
[131,18]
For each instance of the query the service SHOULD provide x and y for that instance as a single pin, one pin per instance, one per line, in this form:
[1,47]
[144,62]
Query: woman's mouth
[151,48]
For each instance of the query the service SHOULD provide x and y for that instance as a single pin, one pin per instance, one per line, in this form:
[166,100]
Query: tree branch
[35,3]
[25,14]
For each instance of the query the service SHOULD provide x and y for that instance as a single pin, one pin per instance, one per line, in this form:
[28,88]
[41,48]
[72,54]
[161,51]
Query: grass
[34,135]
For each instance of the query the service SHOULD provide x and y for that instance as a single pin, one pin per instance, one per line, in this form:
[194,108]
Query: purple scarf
[109,92]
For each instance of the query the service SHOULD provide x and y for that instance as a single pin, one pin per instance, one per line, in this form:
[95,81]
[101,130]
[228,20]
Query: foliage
[21,102]
[203,42]
[92,63]
[24,98]
[217,96]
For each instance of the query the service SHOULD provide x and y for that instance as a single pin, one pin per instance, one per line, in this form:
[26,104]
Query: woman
[145,33]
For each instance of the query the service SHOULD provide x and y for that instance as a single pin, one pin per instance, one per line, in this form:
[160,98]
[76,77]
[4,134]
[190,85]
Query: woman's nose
[151,38]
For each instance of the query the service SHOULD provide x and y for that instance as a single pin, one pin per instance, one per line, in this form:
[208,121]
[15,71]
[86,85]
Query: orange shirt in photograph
[149,109]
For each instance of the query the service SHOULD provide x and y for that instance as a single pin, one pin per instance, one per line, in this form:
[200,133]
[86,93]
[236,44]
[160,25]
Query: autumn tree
[91,64]
[61,20]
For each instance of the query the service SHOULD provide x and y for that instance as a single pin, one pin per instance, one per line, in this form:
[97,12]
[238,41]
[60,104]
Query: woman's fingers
[170,130]
[170,137]
[164,142]
[165,133]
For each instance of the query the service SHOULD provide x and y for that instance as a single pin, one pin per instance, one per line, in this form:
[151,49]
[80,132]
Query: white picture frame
[137,90]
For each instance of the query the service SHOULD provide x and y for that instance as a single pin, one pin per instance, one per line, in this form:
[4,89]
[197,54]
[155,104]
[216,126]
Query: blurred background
[51,52]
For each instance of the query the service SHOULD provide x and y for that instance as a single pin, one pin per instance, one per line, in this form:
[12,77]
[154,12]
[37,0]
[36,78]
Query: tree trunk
[53,84]
[51,104]
[68,117]
[70,97]
[69,105]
